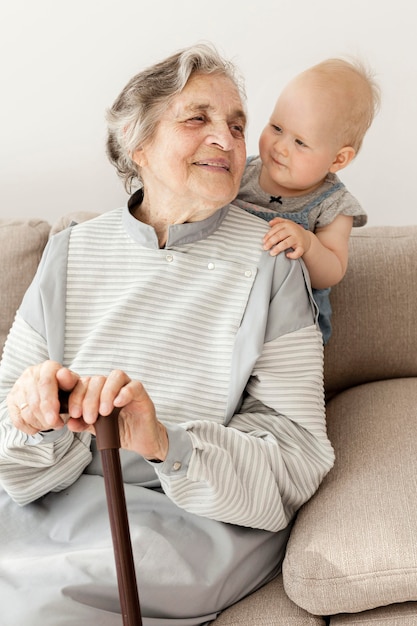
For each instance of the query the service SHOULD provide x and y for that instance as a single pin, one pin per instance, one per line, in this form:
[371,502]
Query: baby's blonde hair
[357,92]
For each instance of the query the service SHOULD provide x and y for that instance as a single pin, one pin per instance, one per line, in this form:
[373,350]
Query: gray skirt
[57,563]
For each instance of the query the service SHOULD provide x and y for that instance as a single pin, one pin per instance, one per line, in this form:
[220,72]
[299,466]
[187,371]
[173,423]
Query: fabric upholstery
[353,546]
[269,606]
[21,247]
[404,614]
[374,336]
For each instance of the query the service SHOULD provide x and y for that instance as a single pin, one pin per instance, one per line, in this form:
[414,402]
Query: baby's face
[299,144]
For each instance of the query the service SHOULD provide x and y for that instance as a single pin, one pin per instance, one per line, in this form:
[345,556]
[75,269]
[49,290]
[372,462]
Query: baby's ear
[343,158]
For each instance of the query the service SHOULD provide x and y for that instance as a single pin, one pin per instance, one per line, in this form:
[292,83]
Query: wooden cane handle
[107,426]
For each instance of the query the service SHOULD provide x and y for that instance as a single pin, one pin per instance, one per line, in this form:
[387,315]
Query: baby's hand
[286,234]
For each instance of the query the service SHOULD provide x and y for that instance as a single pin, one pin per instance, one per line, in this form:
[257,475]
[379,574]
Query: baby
[315,130]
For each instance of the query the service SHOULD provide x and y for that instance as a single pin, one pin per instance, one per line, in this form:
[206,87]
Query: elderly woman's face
[195,161]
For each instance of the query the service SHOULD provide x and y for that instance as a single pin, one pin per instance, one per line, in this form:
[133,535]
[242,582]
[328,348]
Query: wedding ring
[23,406]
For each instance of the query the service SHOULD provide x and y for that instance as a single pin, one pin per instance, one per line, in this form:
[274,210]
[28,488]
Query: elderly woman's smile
[215,163]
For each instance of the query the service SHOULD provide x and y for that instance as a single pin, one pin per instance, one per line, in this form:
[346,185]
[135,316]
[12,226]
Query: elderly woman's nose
[221,135]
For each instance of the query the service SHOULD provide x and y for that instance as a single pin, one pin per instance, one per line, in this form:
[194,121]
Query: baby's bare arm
[324,252]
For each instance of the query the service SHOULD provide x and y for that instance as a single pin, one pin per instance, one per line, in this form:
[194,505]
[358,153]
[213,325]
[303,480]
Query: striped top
[221,334]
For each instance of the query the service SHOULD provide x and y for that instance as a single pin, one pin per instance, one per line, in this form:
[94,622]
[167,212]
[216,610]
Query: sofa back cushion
[374,337]
[21,247]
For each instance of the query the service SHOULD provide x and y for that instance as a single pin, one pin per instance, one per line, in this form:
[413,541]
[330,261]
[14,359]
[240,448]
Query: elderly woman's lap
[65,573]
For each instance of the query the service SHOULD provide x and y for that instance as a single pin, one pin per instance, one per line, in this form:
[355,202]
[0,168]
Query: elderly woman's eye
[237,129]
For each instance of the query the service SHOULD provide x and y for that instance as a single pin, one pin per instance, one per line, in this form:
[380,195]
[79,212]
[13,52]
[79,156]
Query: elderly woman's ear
[139,157]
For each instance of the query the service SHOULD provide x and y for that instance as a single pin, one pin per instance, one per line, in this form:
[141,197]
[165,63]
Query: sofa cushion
[353,546]
[404,614]
[269,606]
[21,245]
[373,307]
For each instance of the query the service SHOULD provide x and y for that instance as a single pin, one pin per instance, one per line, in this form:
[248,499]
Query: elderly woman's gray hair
[134,116]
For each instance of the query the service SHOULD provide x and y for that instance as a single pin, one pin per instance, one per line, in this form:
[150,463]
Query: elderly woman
[169,309]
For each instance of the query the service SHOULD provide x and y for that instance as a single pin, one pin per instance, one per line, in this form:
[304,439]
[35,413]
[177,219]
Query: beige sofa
[352,554]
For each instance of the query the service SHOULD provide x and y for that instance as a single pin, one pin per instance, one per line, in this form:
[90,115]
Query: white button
[169,258]
[176,466]
[211,266]
[248,273]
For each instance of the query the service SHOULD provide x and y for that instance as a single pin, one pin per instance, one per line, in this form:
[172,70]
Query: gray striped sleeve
[272,456]
[27,472]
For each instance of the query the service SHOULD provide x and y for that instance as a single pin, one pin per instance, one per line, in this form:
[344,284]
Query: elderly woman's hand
[34,405]
[33,402]
[139,429]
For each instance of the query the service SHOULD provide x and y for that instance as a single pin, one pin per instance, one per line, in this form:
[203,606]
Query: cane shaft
[122,547]
[108,443]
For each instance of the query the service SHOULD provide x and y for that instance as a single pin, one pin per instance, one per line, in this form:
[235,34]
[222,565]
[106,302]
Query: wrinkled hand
[139,428]
[33,401]
[34,405]
[284,235]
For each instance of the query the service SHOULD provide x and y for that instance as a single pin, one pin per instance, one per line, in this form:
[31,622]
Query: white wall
[63,63]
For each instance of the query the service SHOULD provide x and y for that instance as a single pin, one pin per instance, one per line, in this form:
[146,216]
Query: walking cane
[108,443]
